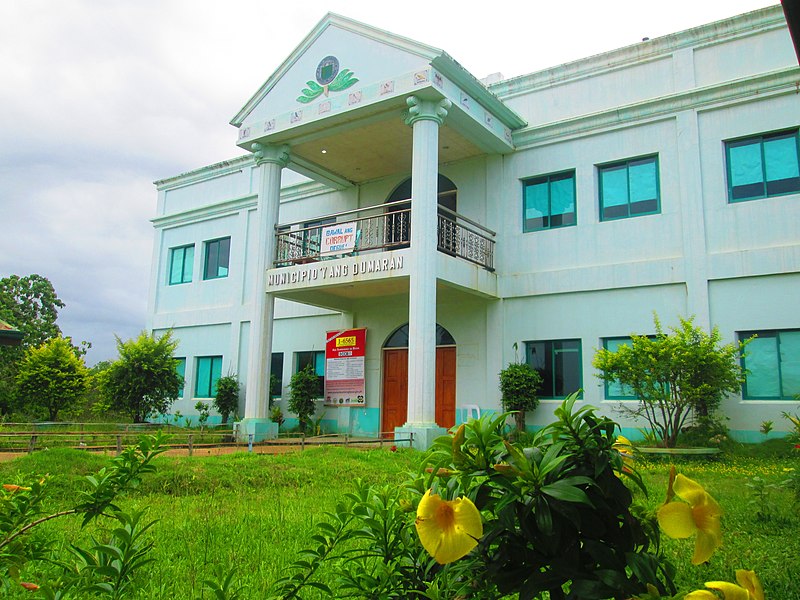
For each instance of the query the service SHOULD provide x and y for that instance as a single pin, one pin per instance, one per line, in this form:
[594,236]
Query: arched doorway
[395,379]
[398,219]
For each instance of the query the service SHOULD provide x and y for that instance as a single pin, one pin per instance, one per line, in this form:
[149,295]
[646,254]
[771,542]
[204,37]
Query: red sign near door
[345,353]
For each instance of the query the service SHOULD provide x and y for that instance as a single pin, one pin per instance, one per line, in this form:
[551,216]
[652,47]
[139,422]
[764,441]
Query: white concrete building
[536,218]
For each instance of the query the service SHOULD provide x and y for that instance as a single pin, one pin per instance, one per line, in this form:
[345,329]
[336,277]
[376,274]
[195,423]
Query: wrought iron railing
[383,227]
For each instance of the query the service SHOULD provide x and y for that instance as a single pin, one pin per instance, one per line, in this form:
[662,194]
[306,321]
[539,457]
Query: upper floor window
[629,188]
[209,370]
[559,364]
[181,262]
[772,363]
[548,201]
[763,166]
[218,255]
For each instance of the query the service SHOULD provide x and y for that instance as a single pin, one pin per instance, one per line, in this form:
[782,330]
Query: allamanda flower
[700,516]
[448,529]
[749,588]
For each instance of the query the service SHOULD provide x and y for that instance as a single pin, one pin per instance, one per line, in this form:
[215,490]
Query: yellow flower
[749,588]
[625,448]
[448,529]
[700,516]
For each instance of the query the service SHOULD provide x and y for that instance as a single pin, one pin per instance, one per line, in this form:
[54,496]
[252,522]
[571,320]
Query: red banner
[345,353]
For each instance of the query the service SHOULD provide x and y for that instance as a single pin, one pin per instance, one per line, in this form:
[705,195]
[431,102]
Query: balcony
[380,228]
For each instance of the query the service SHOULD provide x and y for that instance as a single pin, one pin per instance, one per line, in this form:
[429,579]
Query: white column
[270,160]
[425,117]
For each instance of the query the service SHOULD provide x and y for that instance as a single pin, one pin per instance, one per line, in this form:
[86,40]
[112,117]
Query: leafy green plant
[227,399]
[144,380]
[766,427]
[276,415]
[202,413]
[23,509]
[303,390]
[794,421]
[52,377]
[519,384]
[673,374]
[761,498]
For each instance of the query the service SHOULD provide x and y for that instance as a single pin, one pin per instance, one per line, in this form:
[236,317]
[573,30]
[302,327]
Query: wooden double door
[395,387]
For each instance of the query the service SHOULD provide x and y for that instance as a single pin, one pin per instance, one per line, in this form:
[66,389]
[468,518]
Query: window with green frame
[209,370]
[181,369]
[763,165]
[316,359]
[559,364]
[629,188]
[181,262]
[276,375]
[217,257]
[772,365]
[548,201]
[614,390]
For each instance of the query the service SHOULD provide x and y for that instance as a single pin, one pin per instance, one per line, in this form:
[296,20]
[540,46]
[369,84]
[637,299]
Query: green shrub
[519,384]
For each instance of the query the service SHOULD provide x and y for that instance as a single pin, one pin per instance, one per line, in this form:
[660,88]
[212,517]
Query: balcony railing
[383,227]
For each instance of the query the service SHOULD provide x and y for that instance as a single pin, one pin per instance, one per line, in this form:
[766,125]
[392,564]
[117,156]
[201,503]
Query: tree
[519,384]
[226,402]
[31,305]
[144,380]
[52,377]
[673,374]
[303,389]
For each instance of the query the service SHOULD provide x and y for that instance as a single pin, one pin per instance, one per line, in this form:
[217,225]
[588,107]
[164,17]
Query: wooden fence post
[32,444]
[119,444]
[191,444]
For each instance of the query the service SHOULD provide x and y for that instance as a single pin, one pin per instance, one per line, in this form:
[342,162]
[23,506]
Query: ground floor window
[559,364]
[614,389]
[181,369]
[276,375]
[772,365]
[316,359]
[209,370]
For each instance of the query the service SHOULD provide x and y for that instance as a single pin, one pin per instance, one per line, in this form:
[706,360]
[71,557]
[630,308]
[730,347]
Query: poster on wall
[338,238]
[345,351]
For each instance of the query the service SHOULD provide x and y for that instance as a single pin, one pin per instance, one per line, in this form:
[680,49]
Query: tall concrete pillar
[270,160]
[425,117]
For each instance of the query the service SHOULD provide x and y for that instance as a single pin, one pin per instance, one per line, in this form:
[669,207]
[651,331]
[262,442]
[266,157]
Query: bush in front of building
[303,390]
[674,373]
[227,399]
[519,385]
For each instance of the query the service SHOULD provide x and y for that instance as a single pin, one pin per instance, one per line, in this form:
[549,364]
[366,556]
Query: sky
[100,98]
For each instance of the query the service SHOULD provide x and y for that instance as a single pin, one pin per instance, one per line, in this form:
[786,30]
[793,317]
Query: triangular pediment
[339,54]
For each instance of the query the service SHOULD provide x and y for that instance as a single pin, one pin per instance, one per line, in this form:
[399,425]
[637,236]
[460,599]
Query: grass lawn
[256,511]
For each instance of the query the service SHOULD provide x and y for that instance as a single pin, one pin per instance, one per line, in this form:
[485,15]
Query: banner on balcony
[345,351]
[339,238]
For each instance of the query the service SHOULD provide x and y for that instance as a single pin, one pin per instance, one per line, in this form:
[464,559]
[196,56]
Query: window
[317,360]
[559,364]
[181,369]
[763,166]
[772,363]
[209,370]
[615,390]
[629,188]
[548,202]
[181,261]
[276,375]
[218,254]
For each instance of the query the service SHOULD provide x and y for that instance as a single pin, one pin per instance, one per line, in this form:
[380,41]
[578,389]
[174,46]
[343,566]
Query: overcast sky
[99,98]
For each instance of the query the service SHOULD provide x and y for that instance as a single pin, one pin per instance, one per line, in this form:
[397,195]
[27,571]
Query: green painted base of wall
[261,429]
